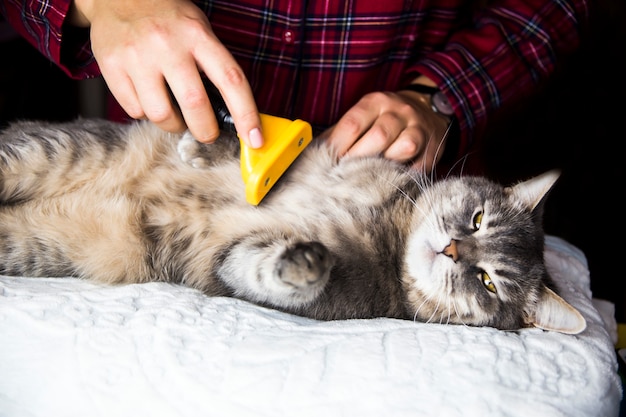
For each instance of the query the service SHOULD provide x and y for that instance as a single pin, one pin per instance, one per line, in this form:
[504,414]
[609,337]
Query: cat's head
[476,257]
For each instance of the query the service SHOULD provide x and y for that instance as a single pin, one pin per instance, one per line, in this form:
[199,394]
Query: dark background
[577,124]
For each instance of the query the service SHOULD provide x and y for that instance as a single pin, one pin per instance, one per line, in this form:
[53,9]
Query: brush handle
[224,119]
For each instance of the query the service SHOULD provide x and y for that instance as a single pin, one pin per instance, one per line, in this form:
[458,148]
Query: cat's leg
[39,159]
[282,273]
[71,236]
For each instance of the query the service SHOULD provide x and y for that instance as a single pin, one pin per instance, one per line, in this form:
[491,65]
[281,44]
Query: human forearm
[513,47]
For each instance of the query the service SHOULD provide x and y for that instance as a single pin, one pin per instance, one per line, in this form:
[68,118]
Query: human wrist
[427,92]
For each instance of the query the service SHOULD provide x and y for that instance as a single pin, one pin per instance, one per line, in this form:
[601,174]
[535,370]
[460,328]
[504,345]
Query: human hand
[400,126]
[144,46]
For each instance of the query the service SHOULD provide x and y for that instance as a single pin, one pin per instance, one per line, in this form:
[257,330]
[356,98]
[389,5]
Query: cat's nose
[451,251]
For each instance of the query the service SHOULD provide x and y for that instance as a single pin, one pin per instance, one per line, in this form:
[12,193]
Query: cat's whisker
[418,309]
[419,180]
[456,312]
[415,315]
[434,311]
[404,193]
[433,169]
[441,317]
[451,305]
[412,200]
[462,161]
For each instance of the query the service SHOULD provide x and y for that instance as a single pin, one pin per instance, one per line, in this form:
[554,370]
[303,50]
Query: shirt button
[288,36]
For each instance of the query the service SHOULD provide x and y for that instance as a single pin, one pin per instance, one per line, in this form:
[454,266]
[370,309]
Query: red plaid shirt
[315,59]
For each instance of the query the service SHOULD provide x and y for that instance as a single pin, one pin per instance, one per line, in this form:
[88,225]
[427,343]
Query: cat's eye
[487,282]
[477,220]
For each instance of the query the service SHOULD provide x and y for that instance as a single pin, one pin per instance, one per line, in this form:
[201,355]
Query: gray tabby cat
[334,239]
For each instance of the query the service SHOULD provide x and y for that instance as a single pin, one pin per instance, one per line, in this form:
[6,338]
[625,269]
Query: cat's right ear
[555,314]
[533,191]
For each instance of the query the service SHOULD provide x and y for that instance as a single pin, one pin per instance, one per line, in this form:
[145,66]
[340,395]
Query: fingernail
[255,138]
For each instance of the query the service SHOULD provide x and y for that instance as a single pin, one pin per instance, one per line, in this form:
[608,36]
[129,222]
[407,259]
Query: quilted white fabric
[72,348]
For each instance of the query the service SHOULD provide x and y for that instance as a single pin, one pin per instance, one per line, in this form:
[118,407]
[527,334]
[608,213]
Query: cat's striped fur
[334,239]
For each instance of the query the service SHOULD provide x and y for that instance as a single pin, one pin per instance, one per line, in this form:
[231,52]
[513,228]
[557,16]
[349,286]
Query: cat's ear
[532,191]
[554,313]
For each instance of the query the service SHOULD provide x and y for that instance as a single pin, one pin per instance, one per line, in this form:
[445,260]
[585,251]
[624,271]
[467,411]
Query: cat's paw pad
[189,151]
[305,265]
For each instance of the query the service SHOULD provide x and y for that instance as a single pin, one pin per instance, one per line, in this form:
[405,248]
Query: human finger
[191,97]
[225,73]
[155,100]
[431,153]
[123,90]
[381,135]
[350,127]
[406,147]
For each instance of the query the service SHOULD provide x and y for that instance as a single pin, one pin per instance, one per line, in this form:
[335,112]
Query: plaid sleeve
[513,46]
[41,23]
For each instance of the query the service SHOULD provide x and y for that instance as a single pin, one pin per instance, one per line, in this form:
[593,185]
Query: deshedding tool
[261,168]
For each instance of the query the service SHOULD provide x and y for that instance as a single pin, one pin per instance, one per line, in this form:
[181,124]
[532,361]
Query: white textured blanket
[72,348]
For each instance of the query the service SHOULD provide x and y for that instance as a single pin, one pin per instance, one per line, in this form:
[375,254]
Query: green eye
[478,218]
[487,282]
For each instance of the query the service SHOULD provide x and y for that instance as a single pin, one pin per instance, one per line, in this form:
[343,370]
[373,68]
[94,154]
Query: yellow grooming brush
[260,168]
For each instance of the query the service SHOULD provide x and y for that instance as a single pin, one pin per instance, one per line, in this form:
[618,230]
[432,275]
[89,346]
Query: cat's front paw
[189,151]
[305,268]
[281,274]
